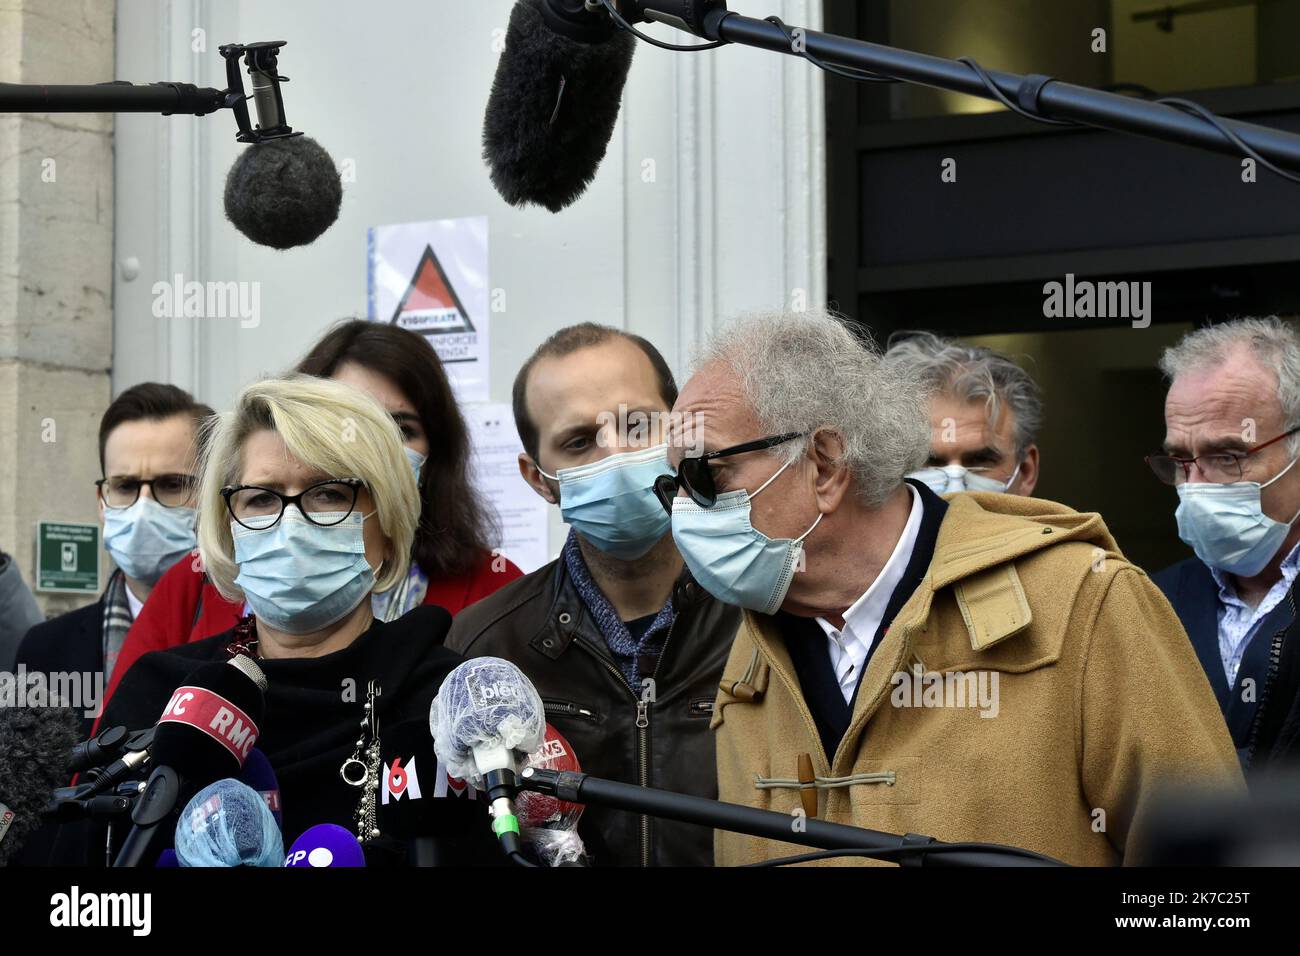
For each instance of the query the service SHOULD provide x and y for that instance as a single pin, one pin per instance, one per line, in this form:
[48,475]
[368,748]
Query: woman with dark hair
[452,564]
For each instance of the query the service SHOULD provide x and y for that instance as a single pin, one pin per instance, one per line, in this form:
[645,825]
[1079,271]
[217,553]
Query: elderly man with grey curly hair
[985,414]
[983,668]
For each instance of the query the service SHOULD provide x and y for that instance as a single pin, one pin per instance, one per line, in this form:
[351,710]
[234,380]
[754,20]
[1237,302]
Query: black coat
[69,643]
[311,721]
[541,624]
[1263,715]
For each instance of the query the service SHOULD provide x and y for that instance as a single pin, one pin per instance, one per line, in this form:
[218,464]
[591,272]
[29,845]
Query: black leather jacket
[541,624]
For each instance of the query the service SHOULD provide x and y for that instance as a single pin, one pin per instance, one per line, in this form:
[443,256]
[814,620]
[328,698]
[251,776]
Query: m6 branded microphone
[486,717]
[228,824]
[326,845]
[35,754]
[418,801]
[206,732]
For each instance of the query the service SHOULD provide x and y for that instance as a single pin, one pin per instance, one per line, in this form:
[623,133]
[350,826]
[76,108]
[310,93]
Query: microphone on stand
[485,718]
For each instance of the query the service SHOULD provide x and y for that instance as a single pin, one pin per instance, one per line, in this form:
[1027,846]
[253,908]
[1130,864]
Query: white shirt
[134,602]
[850,645]
[1239,622]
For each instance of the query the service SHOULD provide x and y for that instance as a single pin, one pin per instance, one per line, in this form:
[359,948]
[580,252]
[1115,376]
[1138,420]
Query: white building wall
[731,220]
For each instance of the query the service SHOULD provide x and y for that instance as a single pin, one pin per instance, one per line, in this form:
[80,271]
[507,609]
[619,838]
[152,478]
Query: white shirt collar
[849,646]
[133,602]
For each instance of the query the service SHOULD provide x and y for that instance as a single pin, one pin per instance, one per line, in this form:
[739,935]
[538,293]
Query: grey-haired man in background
[985,413]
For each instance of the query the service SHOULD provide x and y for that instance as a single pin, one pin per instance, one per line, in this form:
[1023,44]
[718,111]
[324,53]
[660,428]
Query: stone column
[56,261]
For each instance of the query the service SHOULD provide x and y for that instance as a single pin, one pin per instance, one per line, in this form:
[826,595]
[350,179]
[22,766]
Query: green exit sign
[67,557]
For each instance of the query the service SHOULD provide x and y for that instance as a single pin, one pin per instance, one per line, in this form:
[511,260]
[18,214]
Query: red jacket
[185,606]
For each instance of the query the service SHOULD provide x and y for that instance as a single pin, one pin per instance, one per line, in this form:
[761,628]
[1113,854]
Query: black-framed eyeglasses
[1219,468]
[170,491]
[325,503]
[695,475]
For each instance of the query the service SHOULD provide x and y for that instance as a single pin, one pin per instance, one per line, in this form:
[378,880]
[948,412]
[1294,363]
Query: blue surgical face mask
[416,459]
[1226,526]
[146,539]
[729,557]
[301,577]
[612,502]
[948,478]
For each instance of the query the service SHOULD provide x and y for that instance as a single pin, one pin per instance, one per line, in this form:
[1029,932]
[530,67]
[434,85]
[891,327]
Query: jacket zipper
[643,728]
[568,709]
[1274,662]
[643,737]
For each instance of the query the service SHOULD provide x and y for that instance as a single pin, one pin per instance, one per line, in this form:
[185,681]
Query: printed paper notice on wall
[521,513]
[432,278]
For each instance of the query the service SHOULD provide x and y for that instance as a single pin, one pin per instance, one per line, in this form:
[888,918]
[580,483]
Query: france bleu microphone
[486,717]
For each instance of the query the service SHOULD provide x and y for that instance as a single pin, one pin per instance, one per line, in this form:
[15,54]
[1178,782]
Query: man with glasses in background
[985,414]
[1231,445]
[148,454]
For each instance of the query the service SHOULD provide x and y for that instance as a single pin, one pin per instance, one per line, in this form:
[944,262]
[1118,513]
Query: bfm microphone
[258,773]
[487,715]
[35,748]
[549,825]
[228,824]
[556,94]
[205,733]
[418,801]
[325,845]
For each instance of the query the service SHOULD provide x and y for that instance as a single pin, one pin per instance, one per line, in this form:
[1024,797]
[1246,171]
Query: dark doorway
[1032,205]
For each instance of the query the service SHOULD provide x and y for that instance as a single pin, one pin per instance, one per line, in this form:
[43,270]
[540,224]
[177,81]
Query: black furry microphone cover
[35,751]
[284,192]
[536,153]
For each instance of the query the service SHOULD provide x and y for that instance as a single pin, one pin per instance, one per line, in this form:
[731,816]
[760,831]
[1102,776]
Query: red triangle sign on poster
[430,304]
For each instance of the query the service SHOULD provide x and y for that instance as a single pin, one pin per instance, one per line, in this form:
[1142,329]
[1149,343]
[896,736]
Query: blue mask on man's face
[612,502]
[943,479]
[729,557]
[146,539]
[1226,526]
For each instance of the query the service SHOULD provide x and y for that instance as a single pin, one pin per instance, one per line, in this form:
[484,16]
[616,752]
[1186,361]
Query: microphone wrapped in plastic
[228,824]
[549,825]
[486,717]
